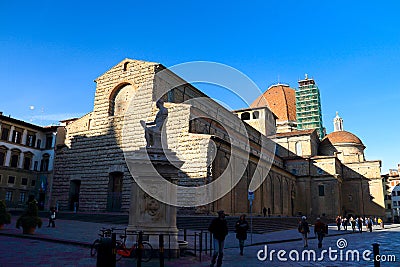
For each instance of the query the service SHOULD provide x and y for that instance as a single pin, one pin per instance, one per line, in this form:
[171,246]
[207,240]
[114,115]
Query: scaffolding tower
[308,107]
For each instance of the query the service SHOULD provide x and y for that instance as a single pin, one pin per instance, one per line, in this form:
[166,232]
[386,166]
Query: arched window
[14,161]
[3,153]
[28,160]
[120,99]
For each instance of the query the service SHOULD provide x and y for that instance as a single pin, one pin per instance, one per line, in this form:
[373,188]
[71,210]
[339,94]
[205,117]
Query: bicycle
[125,252]
[105,232]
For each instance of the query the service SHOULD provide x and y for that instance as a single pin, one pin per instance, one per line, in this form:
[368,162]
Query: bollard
[375,249]
[205,241]
[161,246]
[105,255]
[139,250]
[195,244]
[114,248]
[201,243]
[184,234]
[211,244]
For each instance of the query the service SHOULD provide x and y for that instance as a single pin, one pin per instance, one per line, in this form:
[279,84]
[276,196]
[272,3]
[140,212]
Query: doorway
[114,198]
[74,190]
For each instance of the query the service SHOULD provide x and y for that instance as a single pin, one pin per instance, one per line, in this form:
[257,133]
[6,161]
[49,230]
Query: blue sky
[51,51]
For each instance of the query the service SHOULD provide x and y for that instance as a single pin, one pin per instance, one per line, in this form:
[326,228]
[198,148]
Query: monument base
[151,167]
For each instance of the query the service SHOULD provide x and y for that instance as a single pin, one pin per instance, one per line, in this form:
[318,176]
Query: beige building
[392,194]
[90,168]
[26,161]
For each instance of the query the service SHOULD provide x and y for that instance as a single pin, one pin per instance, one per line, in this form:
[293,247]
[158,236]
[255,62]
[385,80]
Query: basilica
[308,172]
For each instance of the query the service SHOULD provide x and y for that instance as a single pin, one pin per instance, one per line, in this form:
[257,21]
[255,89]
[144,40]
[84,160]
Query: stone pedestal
[150,168]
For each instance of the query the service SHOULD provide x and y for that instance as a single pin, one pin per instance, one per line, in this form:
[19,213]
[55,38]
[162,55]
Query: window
[321,190]
[22,197]
[11,179]
[35,165]
[17,136]
[14,160]
[398,193]
[39,144]
[9,195]
[49,141]
[256,114]
[245,116]
[5,132]
[389,206]
[28,161]
[24,181]
[33,182]
[299,150]
[44,166]
[2,157]
[31,139]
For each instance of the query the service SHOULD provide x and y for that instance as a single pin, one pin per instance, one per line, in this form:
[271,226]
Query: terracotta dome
[281,100]
[342,137]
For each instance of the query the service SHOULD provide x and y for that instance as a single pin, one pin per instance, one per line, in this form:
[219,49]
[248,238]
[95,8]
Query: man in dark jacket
[319,231]
[241,228]
[219,229]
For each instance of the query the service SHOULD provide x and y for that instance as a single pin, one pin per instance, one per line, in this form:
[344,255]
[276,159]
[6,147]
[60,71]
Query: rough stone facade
[90,168]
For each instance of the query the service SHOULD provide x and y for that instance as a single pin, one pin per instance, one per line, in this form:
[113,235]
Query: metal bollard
[201,243]
[161,246]
[105,253]
[375,249]
[139,250]
[195,244]
[205,241]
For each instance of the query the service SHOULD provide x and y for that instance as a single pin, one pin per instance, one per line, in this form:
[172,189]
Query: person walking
[52,217]
[338,222]
[344,222]
[319,231]
[219,229]
[360,224]
[304,229]
[380,222]
[264,211]
[369,224]
[241,228]
[353,224]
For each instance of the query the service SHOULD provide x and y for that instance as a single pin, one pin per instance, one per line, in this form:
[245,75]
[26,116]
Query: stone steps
[190,222]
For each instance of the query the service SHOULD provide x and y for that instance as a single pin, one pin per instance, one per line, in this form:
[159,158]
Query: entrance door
[115,191]
[74,189]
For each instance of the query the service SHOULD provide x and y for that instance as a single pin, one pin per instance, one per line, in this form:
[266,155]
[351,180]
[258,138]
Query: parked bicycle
[123,251]
[105,232]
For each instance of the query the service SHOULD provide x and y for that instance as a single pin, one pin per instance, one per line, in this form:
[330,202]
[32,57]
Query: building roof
[296,133]
[339,137]
[280,99]
[9,119]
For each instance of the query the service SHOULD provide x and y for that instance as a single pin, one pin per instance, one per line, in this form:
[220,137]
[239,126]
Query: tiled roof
[341,137]
[281,100]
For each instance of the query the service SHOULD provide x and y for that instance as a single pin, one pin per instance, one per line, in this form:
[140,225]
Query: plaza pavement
[78,233]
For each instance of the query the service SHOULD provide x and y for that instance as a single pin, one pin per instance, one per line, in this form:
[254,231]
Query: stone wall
[95,144]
